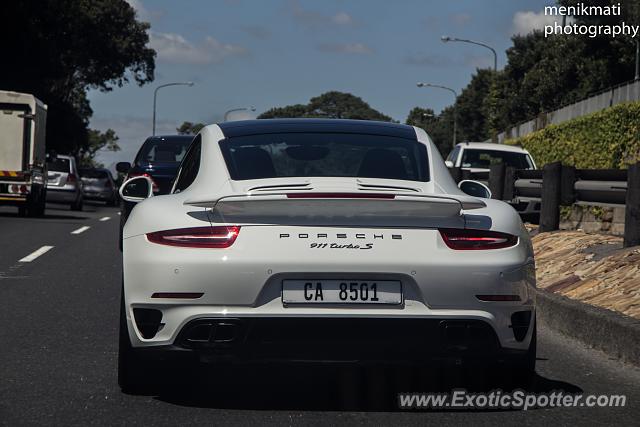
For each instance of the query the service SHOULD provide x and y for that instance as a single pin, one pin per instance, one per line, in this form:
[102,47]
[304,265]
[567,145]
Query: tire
[77,205]
[42,203]
[524,370]
[134,376]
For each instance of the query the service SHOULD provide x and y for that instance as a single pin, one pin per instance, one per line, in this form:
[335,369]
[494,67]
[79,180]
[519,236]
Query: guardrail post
[509,190]
[632,207]
[550,209]
[567,185]
[496,180]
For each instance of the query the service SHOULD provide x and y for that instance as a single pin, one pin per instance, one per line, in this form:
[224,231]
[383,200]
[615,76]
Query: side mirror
[448,163]
[123,167]
[475,188]
[136,189]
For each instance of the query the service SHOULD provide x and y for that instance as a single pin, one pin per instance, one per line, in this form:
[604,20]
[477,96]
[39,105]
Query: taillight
[469,239]
[71,179]
[197,237]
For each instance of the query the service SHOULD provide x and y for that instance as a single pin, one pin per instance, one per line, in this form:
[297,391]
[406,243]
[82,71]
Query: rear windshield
[475,158]
[158,151]
[325,154]
[59,165]
[93,174]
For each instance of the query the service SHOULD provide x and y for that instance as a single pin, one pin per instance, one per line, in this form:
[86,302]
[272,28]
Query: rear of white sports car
[323,241]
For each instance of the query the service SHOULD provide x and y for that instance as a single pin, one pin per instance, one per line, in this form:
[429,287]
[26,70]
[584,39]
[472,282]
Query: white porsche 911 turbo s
[322,240]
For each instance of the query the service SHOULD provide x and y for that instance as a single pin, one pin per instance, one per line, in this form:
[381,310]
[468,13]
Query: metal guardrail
[542,192]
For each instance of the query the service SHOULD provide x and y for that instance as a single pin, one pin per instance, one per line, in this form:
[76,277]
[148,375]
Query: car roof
[493,146]
[64,156]
[262,126]
[170,138]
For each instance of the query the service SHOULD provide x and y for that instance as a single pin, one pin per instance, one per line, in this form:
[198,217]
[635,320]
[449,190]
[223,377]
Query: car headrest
[382,163]
[165,155]
[253,163]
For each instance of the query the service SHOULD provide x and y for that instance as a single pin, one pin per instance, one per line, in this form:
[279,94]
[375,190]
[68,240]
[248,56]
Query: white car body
[275,243]
[456,157]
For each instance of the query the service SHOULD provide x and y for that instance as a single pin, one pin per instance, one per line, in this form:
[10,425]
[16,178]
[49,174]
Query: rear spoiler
[374,210]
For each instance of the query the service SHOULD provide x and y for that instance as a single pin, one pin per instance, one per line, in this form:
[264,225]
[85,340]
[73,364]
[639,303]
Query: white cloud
[143,13]
[525,22]
[460,19]
[348,48]
[342,18]
[175,48]
[315,19]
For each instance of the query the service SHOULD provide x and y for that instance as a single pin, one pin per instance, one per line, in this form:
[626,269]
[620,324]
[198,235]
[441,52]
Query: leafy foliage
[608,139]
[97,141]
[57,49]
[189,128]
[334,104]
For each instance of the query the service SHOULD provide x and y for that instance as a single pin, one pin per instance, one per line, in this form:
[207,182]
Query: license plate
[341,292]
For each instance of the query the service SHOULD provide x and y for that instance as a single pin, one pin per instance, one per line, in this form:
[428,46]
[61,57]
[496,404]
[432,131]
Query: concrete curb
[614,333]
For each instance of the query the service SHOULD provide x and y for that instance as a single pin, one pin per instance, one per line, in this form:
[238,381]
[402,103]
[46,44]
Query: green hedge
[607,139]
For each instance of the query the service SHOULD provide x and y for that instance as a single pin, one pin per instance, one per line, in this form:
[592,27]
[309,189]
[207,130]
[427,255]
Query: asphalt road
[58,354]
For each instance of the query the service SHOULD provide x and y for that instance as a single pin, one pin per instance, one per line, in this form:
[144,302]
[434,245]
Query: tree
[336,105]
[189,128]
[58,49]
[439,127]
[97,141]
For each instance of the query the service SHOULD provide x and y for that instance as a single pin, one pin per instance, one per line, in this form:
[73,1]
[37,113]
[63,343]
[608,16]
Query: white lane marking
[105,218]
[36,254]
[81,230]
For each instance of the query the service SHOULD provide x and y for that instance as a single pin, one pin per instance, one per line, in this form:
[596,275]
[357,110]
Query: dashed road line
[105,218]
[81,230]
[36,254]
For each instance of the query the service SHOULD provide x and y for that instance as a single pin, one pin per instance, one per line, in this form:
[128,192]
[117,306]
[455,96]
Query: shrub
[607,139]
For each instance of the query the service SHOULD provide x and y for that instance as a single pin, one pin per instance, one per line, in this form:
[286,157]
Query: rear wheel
[524,370]
[134,376]
[77,205]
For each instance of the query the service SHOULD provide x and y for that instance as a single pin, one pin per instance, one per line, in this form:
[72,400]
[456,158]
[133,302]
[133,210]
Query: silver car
[98,184]
[64,185]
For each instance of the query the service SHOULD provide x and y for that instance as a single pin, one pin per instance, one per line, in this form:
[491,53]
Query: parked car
[158,158]
[98,184]
[63,183]
[478,156]
[322,240]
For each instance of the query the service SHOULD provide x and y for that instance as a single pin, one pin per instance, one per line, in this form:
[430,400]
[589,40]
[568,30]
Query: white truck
[23,170]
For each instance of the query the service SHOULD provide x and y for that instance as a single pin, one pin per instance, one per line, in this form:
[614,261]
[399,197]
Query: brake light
[469,239]
[340,196]
[71,179]
[153,183]
[197,237]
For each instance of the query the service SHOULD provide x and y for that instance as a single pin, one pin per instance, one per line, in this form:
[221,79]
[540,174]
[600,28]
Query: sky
[272,53]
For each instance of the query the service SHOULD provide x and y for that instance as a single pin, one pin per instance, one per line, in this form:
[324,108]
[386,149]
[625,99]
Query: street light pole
[455,112]
[155,95]
[226,114]
[637,60]
[446,39]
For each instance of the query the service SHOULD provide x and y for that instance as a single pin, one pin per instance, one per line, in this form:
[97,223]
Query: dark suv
[159,158]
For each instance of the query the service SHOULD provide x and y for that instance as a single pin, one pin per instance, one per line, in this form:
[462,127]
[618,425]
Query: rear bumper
[61,195]
[99,195]
[349,340]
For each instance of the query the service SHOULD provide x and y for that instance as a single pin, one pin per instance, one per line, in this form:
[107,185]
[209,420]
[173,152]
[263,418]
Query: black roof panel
[253,127]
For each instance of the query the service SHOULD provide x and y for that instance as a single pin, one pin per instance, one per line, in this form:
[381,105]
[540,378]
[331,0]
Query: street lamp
[637,60]
[446,39]
[455,114]
[226,114]
[155,94]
